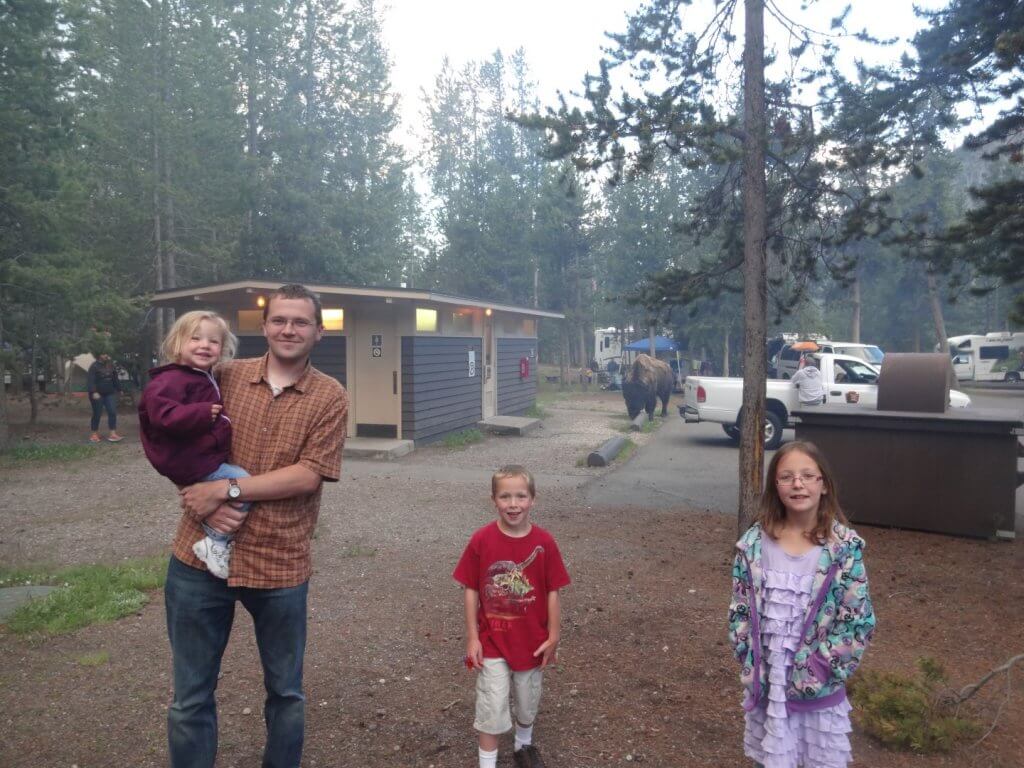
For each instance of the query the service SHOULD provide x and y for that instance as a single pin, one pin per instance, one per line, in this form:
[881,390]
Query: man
[810,390]
[288,424]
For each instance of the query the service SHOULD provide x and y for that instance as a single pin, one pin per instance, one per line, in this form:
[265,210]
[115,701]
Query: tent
[661,344]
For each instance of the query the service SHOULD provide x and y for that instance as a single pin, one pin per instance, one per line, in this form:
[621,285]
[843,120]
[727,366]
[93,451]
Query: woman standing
[103,388]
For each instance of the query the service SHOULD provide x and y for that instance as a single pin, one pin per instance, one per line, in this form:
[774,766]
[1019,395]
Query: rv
[607,347]
[992,357]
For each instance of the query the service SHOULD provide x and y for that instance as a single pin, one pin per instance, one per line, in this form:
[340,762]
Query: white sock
[524,736]
[488,759]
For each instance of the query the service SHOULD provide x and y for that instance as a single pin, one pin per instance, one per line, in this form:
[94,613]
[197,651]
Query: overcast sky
[562,38]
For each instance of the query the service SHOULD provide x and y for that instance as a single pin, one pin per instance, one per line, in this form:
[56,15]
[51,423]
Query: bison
[645,381]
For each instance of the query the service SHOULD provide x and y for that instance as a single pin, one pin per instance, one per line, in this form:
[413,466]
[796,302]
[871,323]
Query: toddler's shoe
[217,556]
[94,437]
[528,756]
[113,437]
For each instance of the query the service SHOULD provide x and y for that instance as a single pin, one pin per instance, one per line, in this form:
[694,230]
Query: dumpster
[916,464]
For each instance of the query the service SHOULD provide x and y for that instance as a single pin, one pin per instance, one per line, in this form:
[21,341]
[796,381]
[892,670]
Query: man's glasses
[298,323]
[788,478]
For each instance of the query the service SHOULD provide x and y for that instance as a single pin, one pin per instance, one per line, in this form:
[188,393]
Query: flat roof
[413,294]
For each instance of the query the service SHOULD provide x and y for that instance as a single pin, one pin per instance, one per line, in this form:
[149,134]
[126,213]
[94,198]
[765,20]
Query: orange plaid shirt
[306,425]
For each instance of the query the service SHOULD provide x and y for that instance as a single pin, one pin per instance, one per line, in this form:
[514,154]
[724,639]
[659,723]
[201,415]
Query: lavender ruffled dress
[774,737]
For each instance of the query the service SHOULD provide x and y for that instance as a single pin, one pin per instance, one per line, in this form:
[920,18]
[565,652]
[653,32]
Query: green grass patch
[625,424]
[627,450]
[536,412]
[86,594]
[463,438]
[32,453]
[357,550]
[95,659]
[913,713]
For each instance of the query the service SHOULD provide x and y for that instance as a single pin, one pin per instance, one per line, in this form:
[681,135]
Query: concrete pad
[12,598]
[380,448]
[508,425]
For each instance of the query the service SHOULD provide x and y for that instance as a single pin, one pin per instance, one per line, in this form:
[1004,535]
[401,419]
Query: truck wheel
[1013,377]
[732,431]
[772,431]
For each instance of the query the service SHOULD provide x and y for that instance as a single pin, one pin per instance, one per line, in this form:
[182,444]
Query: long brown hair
[772,512]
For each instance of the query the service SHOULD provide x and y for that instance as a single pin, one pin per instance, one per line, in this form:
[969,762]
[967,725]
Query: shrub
[463,438]
[915,713]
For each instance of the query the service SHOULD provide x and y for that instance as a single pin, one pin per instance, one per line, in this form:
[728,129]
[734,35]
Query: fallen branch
[449,706]
[967,691]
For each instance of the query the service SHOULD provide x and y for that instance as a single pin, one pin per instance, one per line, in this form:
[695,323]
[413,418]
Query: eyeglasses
[807,478]
[298,323]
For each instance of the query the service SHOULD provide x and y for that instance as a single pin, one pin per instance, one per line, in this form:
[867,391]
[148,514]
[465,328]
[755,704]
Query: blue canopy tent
[661,344]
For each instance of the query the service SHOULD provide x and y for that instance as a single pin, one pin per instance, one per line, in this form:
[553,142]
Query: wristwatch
[234,490]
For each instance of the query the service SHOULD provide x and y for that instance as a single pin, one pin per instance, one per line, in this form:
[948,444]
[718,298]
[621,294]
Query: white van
[789,359]
[992,357]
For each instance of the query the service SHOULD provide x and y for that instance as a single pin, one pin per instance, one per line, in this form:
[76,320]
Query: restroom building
[417,364]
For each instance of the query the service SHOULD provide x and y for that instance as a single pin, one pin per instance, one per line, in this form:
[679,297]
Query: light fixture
[487,311]
[261,302]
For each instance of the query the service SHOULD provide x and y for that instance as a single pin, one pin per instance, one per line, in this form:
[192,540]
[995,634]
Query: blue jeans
[225,472]
[108,403]
[200,612]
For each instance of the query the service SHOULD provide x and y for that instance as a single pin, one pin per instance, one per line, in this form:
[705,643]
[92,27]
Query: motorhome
[989,357]
[607,346]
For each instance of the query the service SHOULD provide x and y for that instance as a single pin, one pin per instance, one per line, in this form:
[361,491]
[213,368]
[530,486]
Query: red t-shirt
[513,577]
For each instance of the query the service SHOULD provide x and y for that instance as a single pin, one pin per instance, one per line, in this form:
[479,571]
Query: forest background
[152,145]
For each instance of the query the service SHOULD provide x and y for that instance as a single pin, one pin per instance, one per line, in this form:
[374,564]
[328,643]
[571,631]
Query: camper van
[607,346]
[992,357]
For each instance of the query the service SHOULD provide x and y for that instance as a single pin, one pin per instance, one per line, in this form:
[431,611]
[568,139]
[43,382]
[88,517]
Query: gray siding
[438,395]
[328,355]
[515,395]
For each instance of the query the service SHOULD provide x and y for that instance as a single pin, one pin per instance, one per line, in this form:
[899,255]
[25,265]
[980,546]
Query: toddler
[185,433]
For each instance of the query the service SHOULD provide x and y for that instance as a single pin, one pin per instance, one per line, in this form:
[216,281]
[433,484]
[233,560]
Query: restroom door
[375,362]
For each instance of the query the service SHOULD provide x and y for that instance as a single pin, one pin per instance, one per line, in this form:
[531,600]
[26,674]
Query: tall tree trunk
[855,323]
[755,289]
[157,175]
[936,307]
[5,432]
[725,354]
[33,399]
[251,132]
[563,356]
[651,328]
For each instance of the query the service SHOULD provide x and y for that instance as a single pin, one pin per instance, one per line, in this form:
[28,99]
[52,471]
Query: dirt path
[645,674]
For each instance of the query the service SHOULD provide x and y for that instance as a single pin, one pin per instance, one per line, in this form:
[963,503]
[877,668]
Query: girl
[185,433]
[800,616]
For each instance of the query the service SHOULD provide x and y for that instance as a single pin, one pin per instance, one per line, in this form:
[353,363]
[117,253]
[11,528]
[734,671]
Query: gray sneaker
[217,556]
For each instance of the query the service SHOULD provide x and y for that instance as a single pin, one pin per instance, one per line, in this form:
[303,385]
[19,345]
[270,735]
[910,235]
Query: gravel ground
[644,674]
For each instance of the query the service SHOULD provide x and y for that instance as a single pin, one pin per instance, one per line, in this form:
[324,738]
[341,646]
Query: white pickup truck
[718,399]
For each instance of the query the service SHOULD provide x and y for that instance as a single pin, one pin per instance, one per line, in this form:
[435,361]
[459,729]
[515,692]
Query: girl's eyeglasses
[807,478]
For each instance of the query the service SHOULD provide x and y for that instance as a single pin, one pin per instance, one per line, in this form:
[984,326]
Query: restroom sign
[376,344]
[472,363]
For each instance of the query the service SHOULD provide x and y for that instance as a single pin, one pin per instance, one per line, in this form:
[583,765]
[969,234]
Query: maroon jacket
[180,439]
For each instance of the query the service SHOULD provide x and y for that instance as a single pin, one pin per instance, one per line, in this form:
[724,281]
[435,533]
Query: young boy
[512,571]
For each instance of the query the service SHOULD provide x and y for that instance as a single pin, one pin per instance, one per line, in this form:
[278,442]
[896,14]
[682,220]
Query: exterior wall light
[261,302]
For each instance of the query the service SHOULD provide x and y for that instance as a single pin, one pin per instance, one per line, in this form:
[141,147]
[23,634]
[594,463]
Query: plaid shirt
[304,425]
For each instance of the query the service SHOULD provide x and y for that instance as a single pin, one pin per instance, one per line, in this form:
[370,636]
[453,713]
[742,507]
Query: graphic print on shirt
[506,594]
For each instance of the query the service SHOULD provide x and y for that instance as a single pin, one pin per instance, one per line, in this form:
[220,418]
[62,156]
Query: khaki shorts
[492,694]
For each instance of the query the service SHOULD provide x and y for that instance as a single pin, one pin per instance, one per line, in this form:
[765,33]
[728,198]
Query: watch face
[234,491]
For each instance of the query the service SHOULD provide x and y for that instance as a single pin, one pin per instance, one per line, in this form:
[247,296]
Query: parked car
[849,381]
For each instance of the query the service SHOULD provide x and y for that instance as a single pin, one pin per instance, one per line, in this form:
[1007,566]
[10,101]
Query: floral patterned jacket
[837,628]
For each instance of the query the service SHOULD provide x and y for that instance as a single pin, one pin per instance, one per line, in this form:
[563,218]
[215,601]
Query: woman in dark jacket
[103,388]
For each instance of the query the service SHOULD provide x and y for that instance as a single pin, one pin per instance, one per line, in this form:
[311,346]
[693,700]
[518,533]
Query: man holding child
[288,423]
